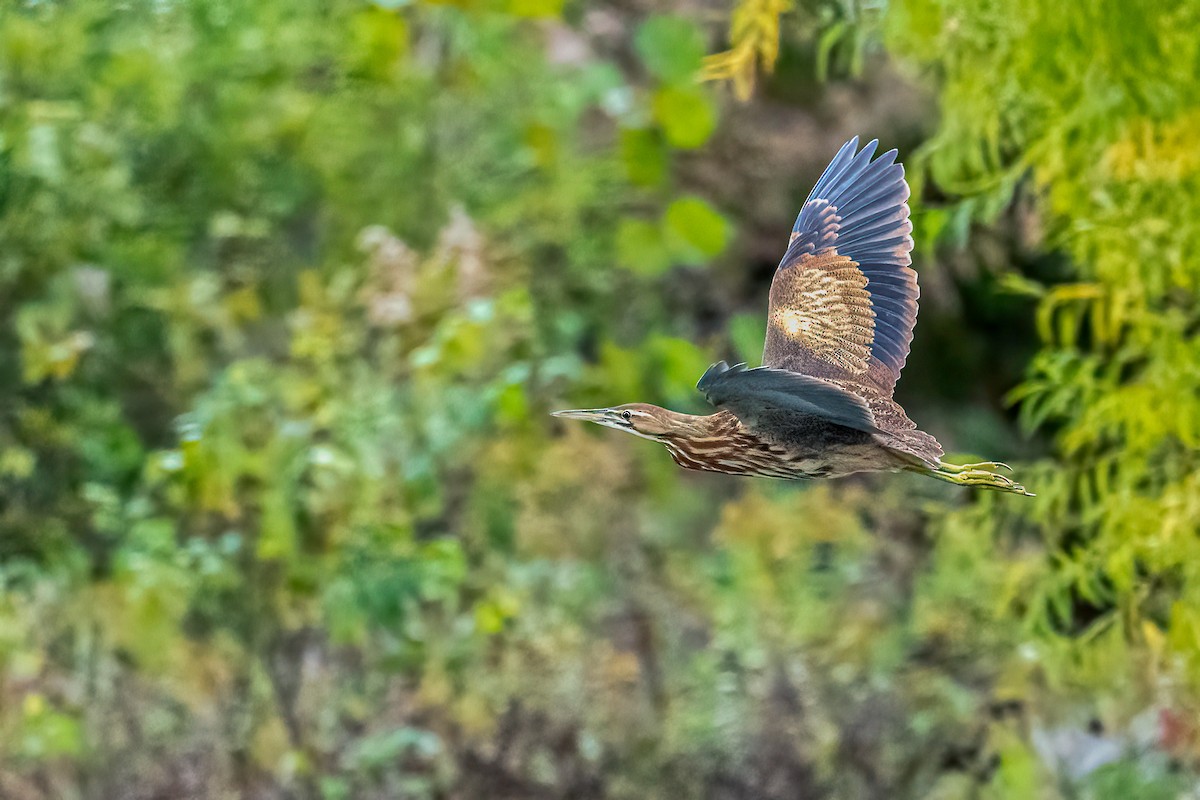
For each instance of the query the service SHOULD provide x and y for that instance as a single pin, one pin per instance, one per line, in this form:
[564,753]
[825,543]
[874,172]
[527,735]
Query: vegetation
[289,287]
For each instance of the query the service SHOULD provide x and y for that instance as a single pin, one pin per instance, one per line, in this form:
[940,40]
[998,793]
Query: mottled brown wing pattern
[824,310]
[844,298]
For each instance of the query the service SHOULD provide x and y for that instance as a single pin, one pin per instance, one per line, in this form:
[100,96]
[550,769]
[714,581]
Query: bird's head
[640,419]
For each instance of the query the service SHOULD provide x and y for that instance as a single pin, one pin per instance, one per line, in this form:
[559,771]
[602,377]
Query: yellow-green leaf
[672,48]
[685,114]
[695,230]
[641,248]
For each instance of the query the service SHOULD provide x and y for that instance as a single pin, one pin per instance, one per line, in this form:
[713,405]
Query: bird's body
[843,304]
[722,443]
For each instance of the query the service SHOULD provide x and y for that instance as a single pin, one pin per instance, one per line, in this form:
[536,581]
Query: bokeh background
[287,289]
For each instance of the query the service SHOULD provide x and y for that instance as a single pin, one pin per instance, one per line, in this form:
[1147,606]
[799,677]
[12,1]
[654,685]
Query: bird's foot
[982,474]
[988,466]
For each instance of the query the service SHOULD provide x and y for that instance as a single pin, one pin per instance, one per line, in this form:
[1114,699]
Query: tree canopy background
[287,288]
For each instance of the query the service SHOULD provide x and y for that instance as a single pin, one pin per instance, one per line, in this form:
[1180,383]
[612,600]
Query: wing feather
[844,298]
[752,394]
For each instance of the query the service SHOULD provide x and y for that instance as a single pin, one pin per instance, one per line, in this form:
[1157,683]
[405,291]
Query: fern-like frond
[754,45]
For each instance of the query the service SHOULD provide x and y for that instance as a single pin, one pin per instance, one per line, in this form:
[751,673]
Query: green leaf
[277,538]
[695,231]
[382,39]
[644,156]
[825,47]
[685,114]
[672,48]
[641,247]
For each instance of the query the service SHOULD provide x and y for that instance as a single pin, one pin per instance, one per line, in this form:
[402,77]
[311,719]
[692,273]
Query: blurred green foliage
[1096,134]
[287,289]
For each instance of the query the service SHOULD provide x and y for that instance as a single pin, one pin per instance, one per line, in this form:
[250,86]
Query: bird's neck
[702,425]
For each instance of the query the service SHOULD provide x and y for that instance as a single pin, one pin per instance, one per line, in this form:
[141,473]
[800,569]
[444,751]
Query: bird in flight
[842,307]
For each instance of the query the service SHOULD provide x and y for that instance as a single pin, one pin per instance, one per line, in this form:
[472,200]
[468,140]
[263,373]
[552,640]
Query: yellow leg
[989,466]
[982,475]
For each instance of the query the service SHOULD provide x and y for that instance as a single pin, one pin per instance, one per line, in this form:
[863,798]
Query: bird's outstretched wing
[844,297]
[755,394]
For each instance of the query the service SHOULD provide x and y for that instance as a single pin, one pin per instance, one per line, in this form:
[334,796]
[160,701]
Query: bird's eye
[627,415]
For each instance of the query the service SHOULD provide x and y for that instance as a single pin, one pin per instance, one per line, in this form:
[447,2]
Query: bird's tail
[984,474]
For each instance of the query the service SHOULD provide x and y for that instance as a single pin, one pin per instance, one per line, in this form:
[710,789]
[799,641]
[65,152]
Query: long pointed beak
[588,414]
[605,417]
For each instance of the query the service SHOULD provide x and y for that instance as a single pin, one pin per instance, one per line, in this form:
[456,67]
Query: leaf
[382,39]
[695,230]
[277,539]
[685,114]
[641,247]
[825,46]
[644,156]
[542,140]
[672,48]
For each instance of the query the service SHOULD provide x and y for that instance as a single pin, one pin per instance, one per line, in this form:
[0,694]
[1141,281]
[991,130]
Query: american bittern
[843,303]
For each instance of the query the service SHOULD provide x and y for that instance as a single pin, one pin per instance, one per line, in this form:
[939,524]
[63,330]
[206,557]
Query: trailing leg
[983,475]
